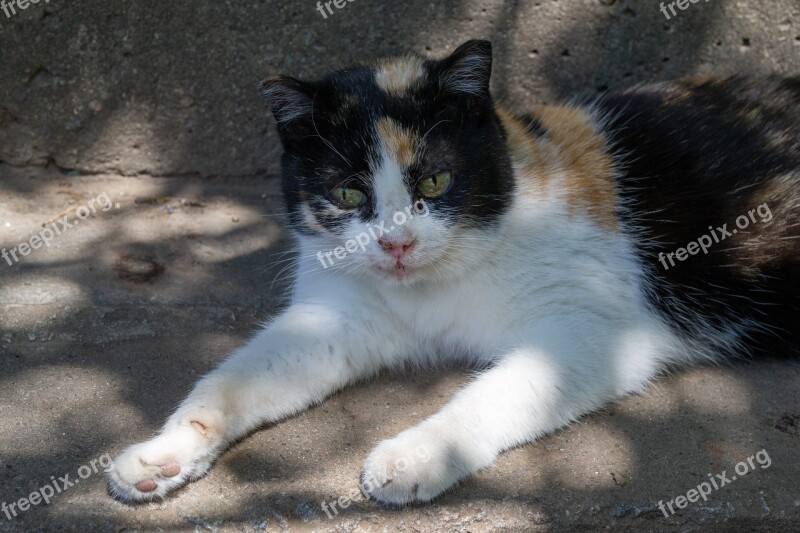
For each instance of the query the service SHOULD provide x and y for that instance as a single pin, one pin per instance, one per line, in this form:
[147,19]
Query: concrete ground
[103,332]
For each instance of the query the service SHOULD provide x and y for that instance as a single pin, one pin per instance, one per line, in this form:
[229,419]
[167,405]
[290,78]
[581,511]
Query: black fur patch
[700,154]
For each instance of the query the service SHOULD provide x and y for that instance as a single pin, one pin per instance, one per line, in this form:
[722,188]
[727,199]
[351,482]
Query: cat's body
[530,248]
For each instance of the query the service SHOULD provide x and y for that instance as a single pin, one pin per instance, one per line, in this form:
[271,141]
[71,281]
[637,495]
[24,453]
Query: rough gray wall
[169,88]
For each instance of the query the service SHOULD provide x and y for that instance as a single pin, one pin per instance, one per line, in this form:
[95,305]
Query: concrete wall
[169,88]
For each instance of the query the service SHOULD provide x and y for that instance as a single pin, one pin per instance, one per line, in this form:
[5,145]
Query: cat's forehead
[387,80]
[362,96]
[381,107]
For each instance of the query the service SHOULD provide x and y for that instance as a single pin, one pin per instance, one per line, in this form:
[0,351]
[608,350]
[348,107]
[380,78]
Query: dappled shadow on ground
[96,361]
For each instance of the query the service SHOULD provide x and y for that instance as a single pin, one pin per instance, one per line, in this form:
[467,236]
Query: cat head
[398,169]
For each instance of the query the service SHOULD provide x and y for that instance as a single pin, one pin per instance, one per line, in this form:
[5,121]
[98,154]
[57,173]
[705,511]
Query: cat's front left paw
[415,466]
[152,469]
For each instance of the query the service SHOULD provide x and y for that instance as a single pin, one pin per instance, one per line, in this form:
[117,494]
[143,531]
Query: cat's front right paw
[152,469]
[415,466]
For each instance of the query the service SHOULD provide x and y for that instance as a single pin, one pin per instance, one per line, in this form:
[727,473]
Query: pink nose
[397,248]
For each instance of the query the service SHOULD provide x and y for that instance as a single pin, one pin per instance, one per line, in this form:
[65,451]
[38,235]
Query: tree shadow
[129,353]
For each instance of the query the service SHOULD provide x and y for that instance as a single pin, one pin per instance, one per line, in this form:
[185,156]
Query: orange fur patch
[572,156]
[526,155]
[398,141]
[398,75]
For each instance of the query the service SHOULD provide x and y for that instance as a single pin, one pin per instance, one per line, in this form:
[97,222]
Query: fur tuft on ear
[467,71]
[288,98]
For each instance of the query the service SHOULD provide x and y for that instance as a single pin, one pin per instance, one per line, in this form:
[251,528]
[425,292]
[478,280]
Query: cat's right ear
[291,102]
[466,72]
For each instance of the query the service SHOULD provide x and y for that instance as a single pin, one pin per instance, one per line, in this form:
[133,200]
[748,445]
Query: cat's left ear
[467,71]
[292,104]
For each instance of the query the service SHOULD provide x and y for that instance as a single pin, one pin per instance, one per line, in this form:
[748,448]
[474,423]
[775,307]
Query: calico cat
[571,254]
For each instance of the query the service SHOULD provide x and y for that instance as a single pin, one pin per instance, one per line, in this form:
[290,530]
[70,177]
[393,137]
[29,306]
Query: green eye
[347,198]
[434,186]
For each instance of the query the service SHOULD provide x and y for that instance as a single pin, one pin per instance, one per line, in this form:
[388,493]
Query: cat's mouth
[399,270]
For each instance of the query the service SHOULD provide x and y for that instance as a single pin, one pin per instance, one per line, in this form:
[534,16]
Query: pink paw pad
[147,485]
[170,469]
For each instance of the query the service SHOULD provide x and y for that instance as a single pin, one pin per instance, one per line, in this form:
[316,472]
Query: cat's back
[708,185]
[703,133]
